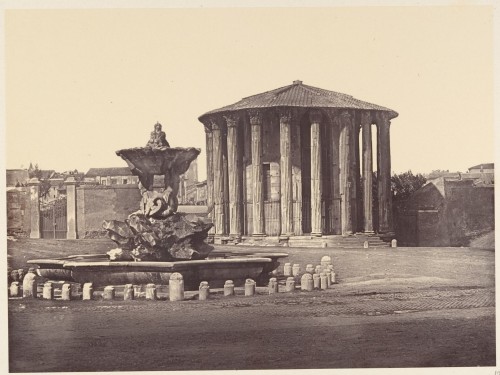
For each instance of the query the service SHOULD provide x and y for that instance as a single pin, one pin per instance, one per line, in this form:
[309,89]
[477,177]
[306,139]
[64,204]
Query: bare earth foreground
[404,307]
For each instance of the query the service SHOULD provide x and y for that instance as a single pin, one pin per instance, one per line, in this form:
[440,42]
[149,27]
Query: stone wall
[18,211]
[446,213]
[98,203]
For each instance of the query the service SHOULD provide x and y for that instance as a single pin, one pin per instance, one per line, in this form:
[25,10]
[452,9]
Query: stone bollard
[128,292]
[326,261]
[328,278]
[318,269]
[273,285]
[88,291]
[109,293]
[14,289]
[334,281]
[287,269]
[324,284]
[66,292]
[316,281]
[151,292]
[48,291]
[365,245]
[394,243]
[20,273]
[295,270]
[14,275]
[290,284]
[310,268]
[204,291]
[176,287]
[30,284]
[228,288]
[306,282]
[249,287]
[75,289]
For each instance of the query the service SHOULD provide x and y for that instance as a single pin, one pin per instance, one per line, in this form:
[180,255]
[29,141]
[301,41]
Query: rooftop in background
[485,166]
[15,176]
[300,95]
[117,171]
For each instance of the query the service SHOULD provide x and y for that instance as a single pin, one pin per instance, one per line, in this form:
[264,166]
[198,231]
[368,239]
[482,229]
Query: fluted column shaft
[384,174]
[218,174]
[286,173]
[233,149]
[366,125]
[346,132]
[315,118]
[210,172]
[257,174]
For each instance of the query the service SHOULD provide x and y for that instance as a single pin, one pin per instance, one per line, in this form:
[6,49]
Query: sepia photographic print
[268,186]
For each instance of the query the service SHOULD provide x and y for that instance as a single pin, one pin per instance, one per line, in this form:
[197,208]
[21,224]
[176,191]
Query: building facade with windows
[287,162]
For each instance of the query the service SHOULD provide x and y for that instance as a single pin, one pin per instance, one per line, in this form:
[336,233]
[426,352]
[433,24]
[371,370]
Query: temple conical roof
[299,95]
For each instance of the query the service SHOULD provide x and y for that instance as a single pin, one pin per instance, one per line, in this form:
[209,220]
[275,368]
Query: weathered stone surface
[180,236]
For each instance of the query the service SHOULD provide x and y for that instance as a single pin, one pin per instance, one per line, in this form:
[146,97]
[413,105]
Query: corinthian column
[366,124]
[218,179]
[346,155]
[210,171]
[257,174]
[233,149]
[315,118]
[384,174]
[286,173]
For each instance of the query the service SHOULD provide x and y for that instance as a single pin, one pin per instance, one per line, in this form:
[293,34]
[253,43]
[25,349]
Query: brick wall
[98,203]
[18,211]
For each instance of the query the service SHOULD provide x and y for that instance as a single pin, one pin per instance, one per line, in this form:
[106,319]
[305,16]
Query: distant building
[16,177]
[483,168]
[110,176]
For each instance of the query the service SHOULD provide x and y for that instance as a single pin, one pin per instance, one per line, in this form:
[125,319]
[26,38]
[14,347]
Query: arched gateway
[287,162]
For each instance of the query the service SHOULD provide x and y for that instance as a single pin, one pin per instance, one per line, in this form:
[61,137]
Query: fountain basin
[98,270]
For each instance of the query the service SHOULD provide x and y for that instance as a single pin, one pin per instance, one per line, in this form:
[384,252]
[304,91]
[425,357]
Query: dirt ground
[404,307]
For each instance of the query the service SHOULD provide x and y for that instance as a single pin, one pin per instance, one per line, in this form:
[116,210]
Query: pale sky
[81,84]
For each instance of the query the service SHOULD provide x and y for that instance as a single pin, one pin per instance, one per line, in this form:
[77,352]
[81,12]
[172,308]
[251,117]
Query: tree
[403,185]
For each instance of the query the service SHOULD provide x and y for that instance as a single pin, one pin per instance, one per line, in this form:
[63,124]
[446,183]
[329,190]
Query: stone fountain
[156,241]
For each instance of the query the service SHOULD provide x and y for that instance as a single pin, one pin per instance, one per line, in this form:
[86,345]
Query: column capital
[345,114]
[207,126]
[255,116]
[285,115]
[382,118]
[366,118]
[215,123]
[231,119]
[315,116]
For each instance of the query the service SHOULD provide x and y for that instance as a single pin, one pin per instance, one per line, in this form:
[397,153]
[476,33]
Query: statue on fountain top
[158,139]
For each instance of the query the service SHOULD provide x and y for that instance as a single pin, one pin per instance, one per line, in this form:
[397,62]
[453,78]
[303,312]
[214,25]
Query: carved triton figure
[158,140]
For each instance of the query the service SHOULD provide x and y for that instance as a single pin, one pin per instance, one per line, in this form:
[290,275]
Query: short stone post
[109,293]
[14,275]
[14,289]
[394,243]
[75,289]
[249,287]
[306,282]
[290,284]
[228,288]
[324,244]
[176,287]
[66,292]
[151,292]
[204,291]
[30,284]
[48,291]
[328,278]
[295,270]
[316,281]
[20,273]
[128,292]
[324,284]
[287,269]
[318,269]
[334,281]
[310,268]
[88,291]
[326,261]
[273,285]
[365,245]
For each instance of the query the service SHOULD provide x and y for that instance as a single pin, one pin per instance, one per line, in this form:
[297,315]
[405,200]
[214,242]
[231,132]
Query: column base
[258,235]
[316,234]
[71,236]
